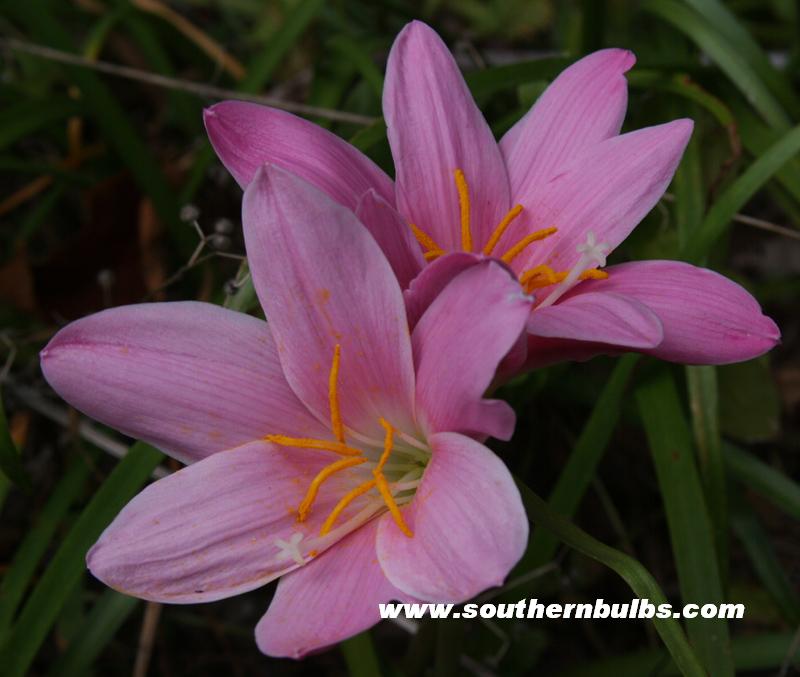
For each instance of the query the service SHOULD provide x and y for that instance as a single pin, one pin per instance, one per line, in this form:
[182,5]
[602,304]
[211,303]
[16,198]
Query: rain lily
[559,192]
[332,446]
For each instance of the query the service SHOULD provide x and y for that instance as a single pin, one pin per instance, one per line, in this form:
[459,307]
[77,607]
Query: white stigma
[593,255]
[291,549]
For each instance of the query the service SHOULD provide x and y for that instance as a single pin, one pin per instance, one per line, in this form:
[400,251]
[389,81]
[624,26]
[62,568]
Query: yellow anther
[388,443]
[513,213]
[336,415]
[309,443]
[433,254]
[347,499]
[518,248]
[305,506]
[424,239]
[463,202]
[383,487]
[544,276]
[593,274]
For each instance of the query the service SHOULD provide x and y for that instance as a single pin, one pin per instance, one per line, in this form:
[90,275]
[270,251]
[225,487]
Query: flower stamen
[513,213]
[305,506]
[520,246]
[592,255]
[424,239]
[346,500]
[463,202]
[310,443]
[336,416]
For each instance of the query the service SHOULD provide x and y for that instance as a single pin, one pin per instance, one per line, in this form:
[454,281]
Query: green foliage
[698,519]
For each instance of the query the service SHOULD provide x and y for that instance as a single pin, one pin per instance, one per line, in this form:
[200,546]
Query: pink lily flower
[559,192]
[351,467]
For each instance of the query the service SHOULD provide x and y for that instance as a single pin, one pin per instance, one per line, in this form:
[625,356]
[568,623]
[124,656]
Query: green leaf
[576,477]
[758,546]
[738,193]
[99,628]
[758,653]
[10,464]
[633,573]
[769,483]
[359,654]
[687,516]
[25,117]
[704,405]
[30,551]
[491,80]
[750,407]
[68,563]
[726,54]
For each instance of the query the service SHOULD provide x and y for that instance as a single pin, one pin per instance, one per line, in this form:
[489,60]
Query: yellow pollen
[518,248]
[383,487]
[463,202]
[544,276]
[336,416]
[347,499]
[433,254]
[425,240]
[388,443]
[305,506]
[513,213]
[309,443]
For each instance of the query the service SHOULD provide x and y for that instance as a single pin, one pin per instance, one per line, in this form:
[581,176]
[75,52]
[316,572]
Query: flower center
[395,482]
[593,254]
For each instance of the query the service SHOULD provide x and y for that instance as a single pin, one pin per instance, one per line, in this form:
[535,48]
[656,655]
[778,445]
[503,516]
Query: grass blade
[739,192]
[725,54]
[106,617]
[67,565]
[687,516]
[577,475]
[359,654]
[769,483]
[635,575]
[32,548]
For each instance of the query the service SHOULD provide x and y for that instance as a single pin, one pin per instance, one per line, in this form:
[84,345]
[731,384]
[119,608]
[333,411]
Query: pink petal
[393,235]
[434,128]
[459,342]
[601,317]
[584,105]
[543,352]
[190,378]
[707,318]
[468,521]
[246,136]
[323,281]
[606,190]
[432,280]
[330,599]
[221,527]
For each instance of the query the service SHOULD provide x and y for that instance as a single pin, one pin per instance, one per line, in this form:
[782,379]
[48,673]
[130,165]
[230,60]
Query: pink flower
[351,468]
[561,190]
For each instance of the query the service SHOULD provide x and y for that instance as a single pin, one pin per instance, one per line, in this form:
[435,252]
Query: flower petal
[459,342]
[434,128]
[432,280]
[191,378]
[585,104]
[606,190]
[468,521]
[393,235]
[246,136]
[323,281]
[600,317]
[707,318]
[222,526]
[330,599]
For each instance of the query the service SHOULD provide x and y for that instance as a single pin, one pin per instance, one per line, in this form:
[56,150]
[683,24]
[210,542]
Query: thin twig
[207,91]
[152,612]
[86,430]
[754,222]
